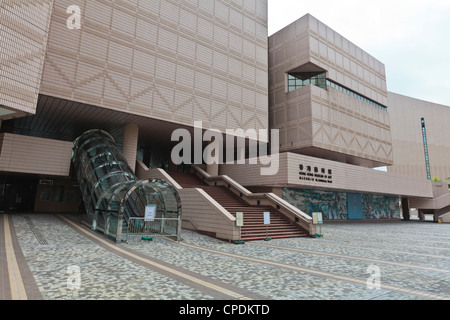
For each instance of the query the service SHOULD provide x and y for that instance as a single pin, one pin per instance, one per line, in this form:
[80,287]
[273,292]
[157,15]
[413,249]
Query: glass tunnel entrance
[117,203]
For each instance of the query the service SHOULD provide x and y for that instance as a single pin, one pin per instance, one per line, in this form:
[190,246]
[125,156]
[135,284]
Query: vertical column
[405,209]
[130,144]
[213,169]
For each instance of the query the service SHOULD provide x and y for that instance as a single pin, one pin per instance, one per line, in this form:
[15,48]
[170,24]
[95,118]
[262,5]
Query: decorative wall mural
[380,207]
[333,205]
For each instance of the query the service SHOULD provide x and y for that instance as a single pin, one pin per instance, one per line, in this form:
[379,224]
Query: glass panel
[58,194]
[109,187]
[45,194]
[350,92]
[303,79]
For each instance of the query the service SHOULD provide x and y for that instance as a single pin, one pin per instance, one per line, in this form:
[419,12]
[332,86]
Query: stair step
[287,227]
[254,227]
[272,237]
[254,234]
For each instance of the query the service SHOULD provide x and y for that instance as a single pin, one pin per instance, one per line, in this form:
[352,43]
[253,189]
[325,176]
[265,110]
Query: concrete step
[254,227]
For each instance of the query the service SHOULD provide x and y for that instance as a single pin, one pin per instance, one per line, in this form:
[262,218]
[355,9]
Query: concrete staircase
[254,228]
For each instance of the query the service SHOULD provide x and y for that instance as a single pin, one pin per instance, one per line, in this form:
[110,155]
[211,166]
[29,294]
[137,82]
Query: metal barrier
[141,227]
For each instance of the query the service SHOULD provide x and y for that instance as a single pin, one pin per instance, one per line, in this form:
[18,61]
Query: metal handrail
[304,221]
[142,227]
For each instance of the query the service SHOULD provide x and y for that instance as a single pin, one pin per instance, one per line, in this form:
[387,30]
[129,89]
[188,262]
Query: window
[70,196]
[301,79]
[354,94]
[425,148]
[297,80]
[45,194]
[58,194]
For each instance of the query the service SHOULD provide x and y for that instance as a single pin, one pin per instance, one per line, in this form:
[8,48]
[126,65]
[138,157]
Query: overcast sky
[411,37]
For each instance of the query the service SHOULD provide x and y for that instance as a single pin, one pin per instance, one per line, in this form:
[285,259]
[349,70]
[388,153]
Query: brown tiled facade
[177,61]
[328,122]
[25,29]
[407,138]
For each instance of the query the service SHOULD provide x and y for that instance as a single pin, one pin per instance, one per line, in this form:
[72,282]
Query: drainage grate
[36,232]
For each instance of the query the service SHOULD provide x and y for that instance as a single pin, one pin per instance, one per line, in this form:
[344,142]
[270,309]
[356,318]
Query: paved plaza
[352,261]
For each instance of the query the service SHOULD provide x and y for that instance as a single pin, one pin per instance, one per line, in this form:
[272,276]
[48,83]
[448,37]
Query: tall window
[425,147]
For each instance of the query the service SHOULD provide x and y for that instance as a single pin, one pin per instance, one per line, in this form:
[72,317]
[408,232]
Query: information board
[267,217]
[239,219]
[317,218]
[150,212]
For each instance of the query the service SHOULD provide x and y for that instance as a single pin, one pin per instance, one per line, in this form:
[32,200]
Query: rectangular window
[45,194]
[70,197]
[58,194]
[299,80]
[354,94]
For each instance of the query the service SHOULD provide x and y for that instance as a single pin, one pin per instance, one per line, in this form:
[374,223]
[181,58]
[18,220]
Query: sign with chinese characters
[315,174]
[317,218]
[150,212]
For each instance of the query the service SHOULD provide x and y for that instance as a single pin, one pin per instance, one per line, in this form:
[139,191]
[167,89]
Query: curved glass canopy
[112,194]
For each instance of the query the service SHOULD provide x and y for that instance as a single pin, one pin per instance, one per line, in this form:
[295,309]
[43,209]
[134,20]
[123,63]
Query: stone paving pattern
[50,246]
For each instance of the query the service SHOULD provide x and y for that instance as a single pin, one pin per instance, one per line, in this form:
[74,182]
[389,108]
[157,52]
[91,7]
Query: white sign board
[267,217]
[239,219]
[150,212]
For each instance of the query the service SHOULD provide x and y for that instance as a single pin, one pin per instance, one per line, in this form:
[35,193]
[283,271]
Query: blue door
[354,206]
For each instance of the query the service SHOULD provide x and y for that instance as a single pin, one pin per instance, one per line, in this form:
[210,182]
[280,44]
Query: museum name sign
[315,174]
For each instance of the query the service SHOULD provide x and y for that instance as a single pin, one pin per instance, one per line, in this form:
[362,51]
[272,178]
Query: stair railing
[295,215]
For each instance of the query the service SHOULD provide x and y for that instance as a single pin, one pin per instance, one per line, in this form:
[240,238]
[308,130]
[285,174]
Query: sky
[411,38]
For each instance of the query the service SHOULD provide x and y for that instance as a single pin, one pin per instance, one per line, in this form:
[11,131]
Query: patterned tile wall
[181,61]
[328,119]
[24,29]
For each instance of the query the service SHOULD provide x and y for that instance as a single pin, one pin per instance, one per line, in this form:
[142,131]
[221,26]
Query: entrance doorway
[17,192]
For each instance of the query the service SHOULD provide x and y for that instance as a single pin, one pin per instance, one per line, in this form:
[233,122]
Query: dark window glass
[45,194]
[302,79]
[58,194]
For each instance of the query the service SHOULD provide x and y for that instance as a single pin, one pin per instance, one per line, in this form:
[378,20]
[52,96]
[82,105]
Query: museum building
[122,76]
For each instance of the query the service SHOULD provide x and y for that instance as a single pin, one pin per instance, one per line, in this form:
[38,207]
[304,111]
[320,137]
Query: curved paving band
[112,194]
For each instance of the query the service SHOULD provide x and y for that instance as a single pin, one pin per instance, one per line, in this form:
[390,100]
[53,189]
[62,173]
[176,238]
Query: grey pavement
[409,261]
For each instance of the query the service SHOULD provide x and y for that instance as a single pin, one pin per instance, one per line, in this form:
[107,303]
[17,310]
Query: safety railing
[295,215]
[156,227]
